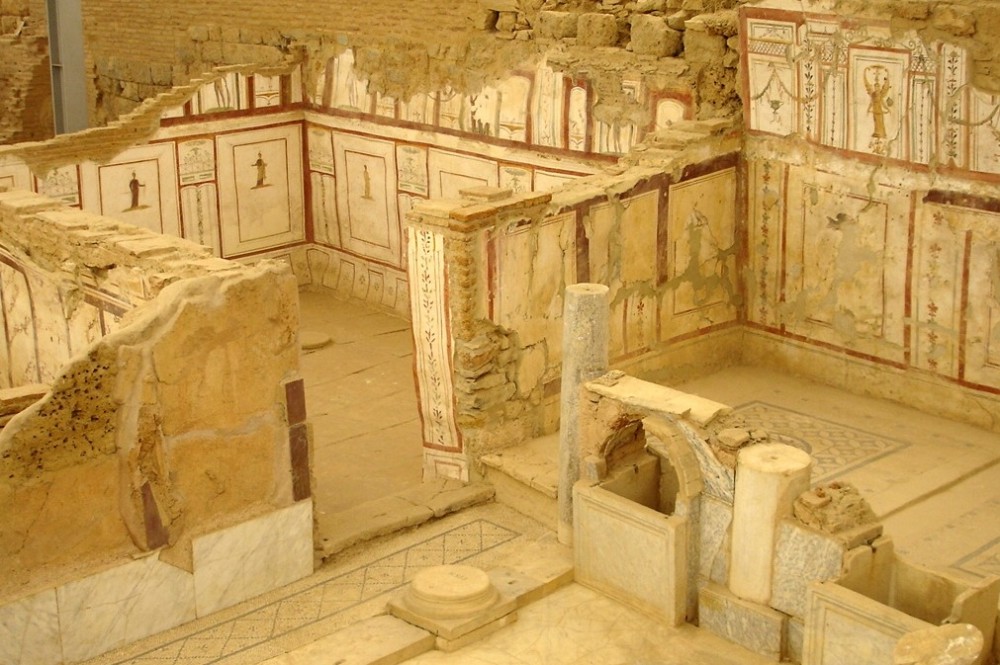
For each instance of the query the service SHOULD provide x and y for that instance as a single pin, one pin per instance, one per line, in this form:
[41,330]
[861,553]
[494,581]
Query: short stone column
[584,357]
[769,477]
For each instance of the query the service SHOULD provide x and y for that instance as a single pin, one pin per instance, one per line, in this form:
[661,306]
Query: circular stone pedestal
[310,340]
[451,592]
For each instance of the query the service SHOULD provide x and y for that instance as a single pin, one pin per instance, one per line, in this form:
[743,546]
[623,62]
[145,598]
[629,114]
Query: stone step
[380,640]
[372,519]
[526,478]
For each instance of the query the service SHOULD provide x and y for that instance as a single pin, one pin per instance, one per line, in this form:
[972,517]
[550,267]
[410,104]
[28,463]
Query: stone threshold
[409,508]
[534,463]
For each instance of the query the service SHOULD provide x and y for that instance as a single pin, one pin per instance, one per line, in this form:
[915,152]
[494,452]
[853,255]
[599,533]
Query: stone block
[448,645]
[595,29]
[534,571]
[556,25]
[725,22]
[701,47]
[649,6]
[802,556]
[752,626]
[677,20]
[506,21]
[652,36]
[485,19]
[716,518]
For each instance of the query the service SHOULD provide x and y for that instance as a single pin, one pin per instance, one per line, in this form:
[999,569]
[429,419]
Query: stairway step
[380,640]
[534,463]
[526,478]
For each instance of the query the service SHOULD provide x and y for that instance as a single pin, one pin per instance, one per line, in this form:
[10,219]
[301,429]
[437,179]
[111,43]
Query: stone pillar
[584,357]
[769,476]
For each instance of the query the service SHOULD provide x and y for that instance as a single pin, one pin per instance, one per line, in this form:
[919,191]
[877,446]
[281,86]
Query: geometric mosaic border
[835,448]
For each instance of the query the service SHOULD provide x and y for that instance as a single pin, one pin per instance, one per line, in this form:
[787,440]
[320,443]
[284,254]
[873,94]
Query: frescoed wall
[364,178]
[44,326]
[542,107]
[665,245]
[865,90]
[872,254]
[244,166]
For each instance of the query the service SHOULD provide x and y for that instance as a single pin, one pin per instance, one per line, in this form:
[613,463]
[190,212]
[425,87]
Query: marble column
[584,357]
[769,477]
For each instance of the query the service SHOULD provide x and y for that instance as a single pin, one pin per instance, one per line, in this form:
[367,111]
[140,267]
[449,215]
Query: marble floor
[935,483]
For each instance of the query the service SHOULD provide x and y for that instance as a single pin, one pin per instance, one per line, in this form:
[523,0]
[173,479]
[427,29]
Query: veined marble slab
[253,557]
[716,518]
[802,556]
[29,631]
[119,606]
[752,626]
[631,552]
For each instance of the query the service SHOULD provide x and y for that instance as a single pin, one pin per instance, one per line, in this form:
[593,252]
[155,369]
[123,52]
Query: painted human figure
[367,193]
[880,102]
[261,170]
[134,186]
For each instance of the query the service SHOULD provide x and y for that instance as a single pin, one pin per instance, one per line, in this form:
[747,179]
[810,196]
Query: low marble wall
[109,609]
[845,628]
[630,552]
[880,598]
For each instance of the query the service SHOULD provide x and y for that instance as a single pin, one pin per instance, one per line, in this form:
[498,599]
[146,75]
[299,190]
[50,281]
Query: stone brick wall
[420,48]
[137,47]
[25,96]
